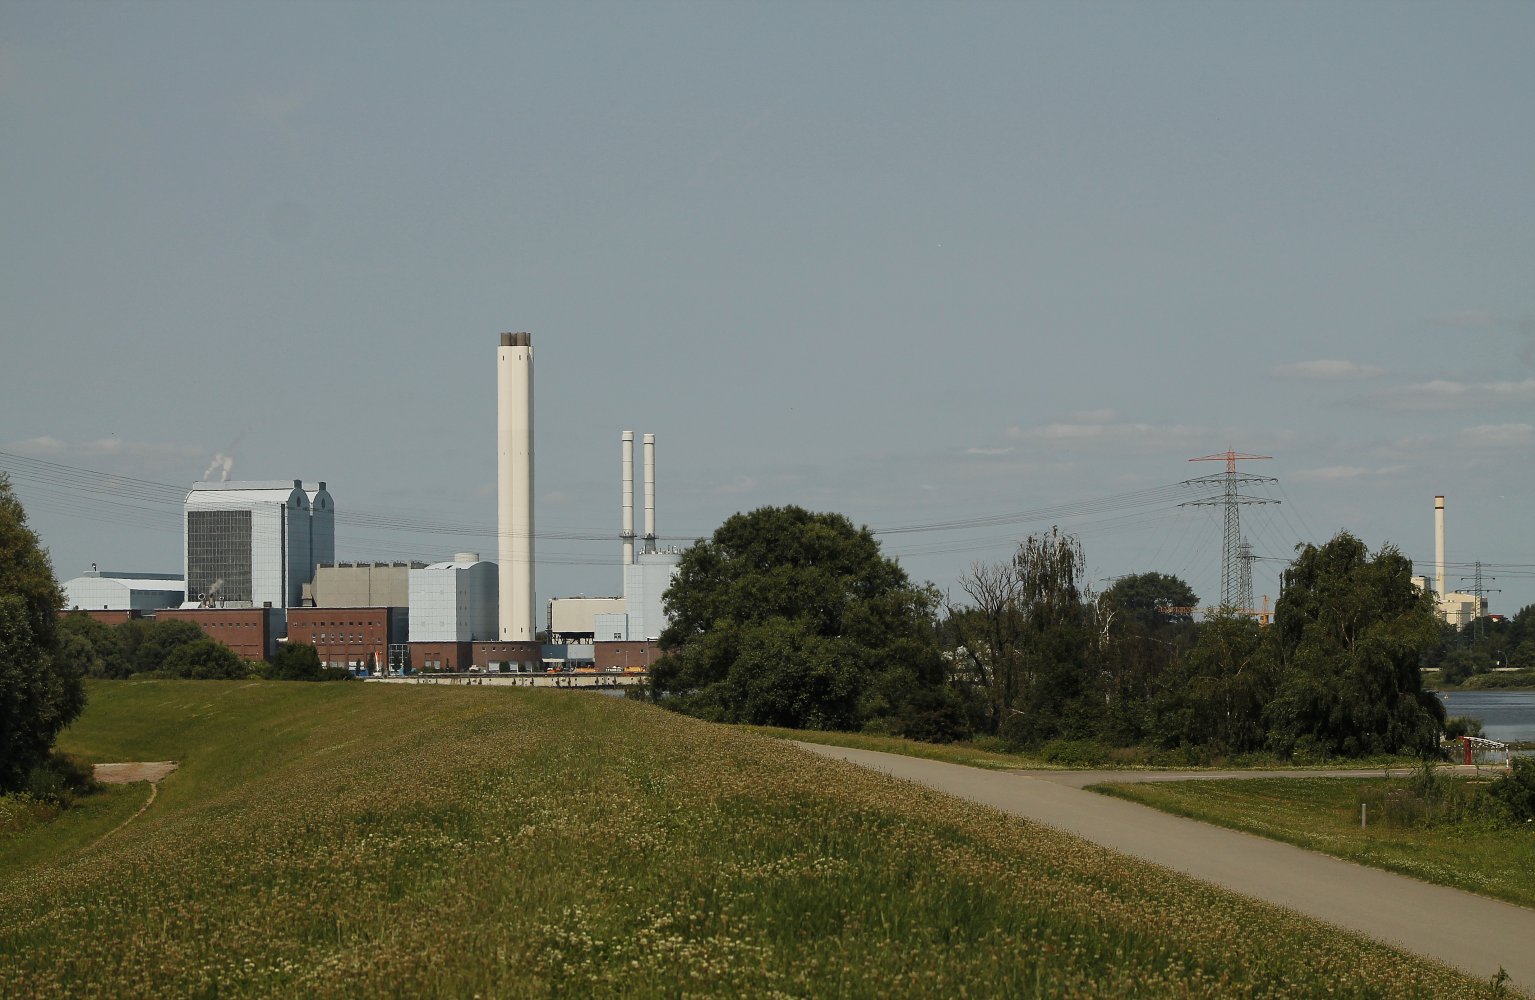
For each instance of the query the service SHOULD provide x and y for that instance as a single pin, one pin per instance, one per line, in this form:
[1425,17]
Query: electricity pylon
[1232,499]
[1478,628]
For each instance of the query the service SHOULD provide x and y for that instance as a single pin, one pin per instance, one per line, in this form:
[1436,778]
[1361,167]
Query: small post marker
[1362,821]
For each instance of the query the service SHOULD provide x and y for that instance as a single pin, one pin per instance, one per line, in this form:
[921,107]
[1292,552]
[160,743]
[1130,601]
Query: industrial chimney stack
[514,484]
[650,492]
[1439,591]
[627,534]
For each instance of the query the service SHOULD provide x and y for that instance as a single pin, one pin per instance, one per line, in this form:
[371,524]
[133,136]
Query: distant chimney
[1439,546]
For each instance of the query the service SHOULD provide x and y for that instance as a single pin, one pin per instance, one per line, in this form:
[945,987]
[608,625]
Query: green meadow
[365,840]
[1399,834]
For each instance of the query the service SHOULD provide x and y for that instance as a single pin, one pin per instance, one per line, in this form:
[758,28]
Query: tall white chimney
[1439,548]
[514,484]
[650,492]
[627,534]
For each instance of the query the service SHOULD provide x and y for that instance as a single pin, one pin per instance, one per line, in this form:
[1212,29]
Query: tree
[204,660]
[1350,632]
[1146,623]
[95,648]
[792,618]
[160,639]
[39,694]
[1149,601]
[296,661]
[1028,639]
[1214,695]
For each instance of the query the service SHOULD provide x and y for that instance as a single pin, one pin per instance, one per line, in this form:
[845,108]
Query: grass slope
[1322,814]
[359,840]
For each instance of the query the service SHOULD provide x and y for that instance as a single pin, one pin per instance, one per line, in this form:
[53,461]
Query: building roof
[239,494]
[158,582]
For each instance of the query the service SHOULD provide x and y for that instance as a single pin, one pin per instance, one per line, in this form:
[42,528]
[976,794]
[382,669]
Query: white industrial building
[104,591]
[251,544]
[455,601]
[638,615]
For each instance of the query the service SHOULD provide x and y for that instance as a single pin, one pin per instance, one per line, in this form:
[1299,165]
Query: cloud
[988,452]
[1448,394]
[1498,436]
[48,445]
[1084,432]
[1467,317]
[741,484]
[1332,371]
[1335,473]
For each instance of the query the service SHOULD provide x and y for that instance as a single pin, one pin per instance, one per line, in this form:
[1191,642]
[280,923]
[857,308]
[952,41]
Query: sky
[959,271]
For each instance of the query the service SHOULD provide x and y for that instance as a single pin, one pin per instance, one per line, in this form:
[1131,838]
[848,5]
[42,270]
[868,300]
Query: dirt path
[141,770]
[1469,932]
[126,774]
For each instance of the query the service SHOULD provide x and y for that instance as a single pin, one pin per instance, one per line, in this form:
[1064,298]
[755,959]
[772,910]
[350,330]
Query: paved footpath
[1469,932]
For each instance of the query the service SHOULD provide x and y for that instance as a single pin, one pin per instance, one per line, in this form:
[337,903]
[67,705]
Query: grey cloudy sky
[1002,264]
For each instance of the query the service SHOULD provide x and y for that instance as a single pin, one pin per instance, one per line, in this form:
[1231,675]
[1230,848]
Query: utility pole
[1231,499]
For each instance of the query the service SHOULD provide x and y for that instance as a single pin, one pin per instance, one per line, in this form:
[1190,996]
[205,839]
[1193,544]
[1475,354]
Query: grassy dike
[361,840]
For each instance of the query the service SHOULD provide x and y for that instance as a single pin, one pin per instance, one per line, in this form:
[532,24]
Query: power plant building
[639,616]
[362,584]
[454,601]
[253,544]
[104,591]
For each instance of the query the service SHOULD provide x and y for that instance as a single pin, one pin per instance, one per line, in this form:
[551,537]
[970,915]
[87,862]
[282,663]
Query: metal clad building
[455,601]
[104,591]
[253,543]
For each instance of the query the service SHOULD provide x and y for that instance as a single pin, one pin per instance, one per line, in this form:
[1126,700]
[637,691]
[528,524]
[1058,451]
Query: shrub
[1076,753]
[1516,790]
[59,778]
[1462,725]
[205,659]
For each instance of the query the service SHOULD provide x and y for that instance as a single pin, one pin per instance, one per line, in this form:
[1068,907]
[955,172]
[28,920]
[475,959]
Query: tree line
[790,618]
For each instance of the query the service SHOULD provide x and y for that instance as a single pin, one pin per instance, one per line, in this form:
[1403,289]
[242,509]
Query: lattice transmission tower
[1479,622]
[1236,564]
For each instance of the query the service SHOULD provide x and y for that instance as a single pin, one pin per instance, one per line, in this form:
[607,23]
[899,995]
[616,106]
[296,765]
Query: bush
[59,778]
[1076,753]
[205,659]
[296,661]
[1462,725]
[20,811]
[1516,790]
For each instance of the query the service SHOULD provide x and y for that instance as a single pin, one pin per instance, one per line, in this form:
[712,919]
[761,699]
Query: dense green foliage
[1337,673]
[296,661]
[39,692]
[789,618]
[1516,790]
[367,840]
[204,660]
[167,647]
[1350,631]
[1466,656]
[786,618]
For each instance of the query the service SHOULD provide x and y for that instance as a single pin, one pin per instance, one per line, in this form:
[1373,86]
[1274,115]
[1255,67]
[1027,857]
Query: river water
[1507,716]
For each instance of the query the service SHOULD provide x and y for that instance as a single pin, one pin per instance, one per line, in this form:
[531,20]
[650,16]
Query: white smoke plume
[222,464]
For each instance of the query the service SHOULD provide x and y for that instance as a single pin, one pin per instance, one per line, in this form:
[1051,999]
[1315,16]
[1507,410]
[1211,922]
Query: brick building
[251,632]
[353,638]
[638,654]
